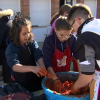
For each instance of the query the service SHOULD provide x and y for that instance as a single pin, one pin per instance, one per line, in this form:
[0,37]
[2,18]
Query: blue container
[63,76]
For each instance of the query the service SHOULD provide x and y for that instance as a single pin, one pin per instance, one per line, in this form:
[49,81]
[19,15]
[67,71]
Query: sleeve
[2,33]
[37,53]
[11,56]
[73,48]
[47,52]
[87,60]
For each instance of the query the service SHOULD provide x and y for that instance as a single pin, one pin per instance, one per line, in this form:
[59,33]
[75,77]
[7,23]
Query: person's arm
[79,70]
[87,68]
[38,55]
[4,30]
[14,63]
[39,71]
[51,73]
[73,47]
[2,33]
[83,80]
[74,53]
[41,63]
[21,68]
[48,51]
[56,82]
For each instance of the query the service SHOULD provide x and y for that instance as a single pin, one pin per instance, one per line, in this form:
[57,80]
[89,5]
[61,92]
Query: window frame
[66,2]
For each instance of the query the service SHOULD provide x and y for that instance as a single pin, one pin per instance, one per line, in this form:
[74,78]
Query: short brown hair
[64,8]
[17,25]
[0,9]
[62,24]
[79,10]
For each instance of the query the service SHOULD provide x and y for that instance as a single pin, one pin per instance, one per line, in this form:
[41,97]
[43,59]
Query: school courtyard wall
[55,5]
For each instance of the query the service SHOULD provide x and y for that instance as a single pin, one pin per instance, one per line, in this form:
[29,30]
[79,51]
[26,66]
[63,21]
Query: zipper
[29,50]
[62,47]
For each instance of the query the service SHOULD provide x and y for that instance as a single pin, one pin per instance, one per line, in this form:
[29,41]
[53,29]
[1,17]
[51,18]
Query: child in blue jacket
[22,54]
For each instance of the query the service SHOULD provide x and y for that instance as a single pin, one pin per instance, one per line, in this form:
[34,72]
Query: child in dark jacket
[5,26]
[22,54]
[58,49]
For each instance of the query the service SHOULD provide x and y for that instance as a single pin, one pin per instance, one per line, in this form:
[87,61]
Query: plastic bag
[15,91]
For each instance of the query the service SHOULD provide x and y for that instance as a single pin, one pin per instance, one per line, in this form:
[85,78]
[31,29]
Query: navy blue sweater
[49,47]
[12,53]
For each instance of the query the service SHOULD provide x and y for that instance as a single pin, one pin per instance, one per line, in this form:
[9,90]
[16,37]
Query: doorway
[62,2]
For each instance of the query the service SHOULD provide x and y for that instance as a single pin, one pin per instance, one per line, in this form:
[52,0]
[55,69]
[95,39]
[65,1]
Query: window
[62,2]
[68,2]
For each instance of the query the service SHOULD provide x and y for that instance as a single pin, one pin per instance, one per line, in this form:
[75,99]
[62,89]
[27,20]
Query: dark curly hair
[17,25]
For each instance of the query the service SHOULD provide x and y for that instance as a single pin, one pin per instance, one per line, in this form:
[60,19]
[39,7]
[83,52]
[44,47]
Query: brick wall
[80,1]
[25,8]
[54,6]
[26,12]
[98,8]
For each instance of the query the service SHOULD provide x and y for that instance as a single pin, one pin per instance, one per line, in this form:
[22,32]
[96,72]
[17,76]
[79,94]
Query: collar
[79,32]
[5,18]
[24,45]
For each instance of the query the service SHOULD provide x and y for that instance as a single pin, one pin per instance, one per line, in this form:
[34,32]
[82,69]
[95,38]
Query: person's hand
[62,64]
[40,71]
[52,76]
[84,89]
[57,86]
[74,91]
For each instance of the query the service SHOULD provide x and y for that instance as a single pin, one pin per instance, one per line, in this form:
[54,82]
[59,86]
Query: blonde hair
[6,13]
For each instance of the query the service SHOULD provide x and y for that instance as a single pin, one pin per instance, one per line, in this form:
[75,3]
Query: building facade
[41,11]
[93,4]
[56,4]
